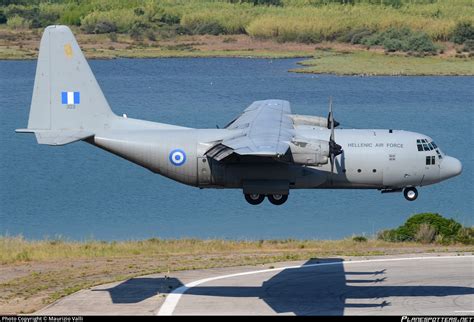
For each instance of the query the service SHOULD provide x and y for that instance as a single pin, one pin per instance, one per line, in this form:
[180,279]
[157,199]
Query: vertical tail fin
[67,104]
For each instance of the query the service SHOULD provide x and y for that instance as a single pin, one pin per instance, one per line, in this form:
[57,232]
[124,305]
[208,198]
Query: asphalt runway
[429,284]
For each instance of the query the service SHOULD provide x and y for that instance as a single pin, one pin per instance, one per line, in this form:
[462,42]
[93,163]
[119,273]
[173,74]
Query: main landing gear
[410,193]
[255,198]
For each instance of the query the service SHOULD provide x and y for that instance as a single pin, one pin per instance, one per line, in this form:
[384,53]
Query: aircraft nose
[450,167]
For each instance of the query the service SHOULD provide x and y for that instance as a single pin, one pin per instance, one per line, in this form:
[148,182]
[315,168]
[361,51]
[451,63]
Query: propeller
[331,119]
[334,148]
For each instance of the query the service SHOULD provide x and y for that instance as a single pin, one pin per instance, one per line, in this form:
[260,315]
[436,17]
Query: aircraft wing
[263,129]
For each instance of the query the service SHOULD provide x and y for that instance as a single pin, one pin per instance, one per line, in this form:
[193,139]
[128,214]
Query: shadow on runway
[320,290]
[139,289]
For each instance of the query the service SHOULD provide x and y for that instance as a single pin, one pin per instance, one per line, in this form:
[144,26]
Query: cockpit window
[418,144]
[424,145]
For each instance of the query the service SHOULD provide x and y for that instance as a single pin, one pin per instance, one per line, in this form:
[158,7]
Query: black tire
[410,193]
[254,198]
[277,199]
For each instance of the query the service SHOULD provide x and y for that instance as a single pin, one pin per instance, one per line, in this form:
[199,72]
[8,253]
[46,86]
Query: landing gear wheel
[254,198]
[277,199]
[410,193]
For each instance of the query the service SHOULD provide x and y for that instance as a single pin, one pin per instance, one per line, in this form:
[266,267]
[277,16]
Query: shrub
[215,22]
[466,235]
[425,234]
[208,28]
[420,42]
[113,36]
[401,39]
[468,45]
[168,31]
[104,27]
[27,13]
[355,36]
[426,227]
[136,32]
[463,31]
[359,239]
[119,20]
[17,22]
[170,19]
[150,35]
[3,18]
[388,235]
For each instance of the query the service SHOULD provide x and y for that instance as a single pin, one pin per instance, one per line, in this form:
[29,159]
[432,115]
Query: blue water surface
[81,192]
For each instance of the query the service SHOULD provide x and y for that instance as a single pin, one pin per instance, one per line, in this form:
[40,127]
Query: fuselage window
[433,158]
[428,160]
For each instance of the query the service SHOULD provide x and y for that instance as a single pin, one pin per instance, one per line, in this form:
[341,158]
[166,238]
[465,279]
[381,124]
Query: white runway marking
[173,298]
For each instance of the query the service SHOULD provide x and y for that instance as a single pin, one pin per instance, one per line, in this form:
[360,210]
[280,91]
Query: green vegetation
[373,63]
[464,31]
[283,20]
[265,28]
[17,249]
[359,239]
[428,228]
[395,39]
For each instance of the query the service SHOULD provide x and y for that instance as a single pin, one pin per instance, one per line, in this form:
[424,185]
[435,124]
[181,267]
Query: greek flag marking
[70,98]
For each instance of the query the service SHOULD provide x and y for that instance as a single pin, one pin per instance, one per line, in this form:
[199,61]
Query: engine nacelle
[310,152]
[309,120]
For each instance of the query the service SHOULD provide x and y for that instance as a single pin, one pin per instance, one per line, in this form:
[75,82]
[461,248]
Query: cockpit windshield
[425,145]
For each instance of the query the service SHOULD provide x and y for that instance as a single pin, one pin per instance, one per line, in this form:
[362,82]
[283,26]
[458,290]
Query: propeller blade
[334,148]
[332,164]
[331,120]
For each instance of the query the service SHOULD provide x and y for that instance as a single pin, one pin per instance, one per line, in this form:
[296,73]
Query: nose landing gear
[410,193]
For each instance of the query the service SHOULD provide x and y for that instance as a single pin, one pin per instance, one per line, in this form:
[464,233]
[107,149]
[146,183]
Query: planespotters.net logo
[438,318]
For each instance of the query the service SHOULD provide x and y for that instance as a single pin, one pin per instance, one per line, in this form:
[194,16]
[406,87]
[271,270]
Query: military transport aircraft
[266,151]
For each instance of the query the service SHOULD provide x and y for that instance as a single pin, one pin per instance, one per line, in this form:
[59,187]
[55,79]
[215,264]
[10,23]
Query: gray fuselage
[374,159]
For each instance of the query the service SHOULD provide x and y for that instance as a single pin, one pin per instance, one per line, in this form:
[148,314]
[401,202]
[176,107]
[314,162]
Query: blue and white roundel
[177,157]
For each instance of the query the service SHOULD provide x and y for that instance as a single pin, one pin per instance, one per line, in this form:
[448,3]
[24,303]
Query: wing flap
[265,129]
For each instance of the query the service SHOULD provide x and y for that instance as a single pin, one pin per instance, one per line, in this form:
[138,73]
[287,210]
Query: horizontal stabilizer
[59,137]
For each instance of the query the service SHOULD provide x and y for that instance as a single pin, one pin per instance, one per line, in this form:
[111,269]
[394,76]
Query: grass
[374,63]
[291,20]
[15,250]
